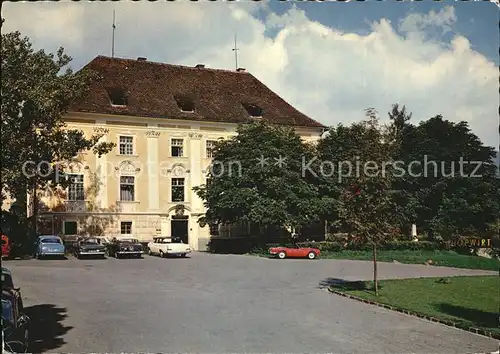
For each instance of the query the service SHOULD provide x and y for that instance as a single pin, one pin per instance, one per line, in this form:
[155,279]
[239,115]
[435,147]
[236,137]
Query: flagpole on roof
[113,37]
[235,50]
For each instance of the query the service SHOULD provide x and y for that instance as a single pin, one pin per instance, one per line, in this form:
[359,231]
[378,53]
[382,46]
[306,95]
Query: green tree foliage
[240,188]
[363,200]
[402,135]
[445,197]
[37,90]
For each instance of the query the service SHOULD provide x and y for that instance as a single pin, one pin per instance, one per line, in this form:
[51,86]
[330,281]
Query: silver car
[49,245]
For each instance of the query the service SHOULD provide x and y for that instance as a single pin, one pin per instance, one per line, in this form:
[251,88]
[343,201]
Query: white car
[164,247]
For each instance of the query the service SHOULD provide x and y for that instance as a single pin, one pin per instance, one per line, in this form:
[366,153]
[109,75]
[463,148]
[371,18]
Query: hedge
[392,245]
[251,244]
[232,245]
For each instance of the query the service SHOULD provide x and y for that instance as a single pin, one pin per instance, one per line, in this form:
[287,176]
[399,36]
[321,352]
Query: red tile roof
[154,90]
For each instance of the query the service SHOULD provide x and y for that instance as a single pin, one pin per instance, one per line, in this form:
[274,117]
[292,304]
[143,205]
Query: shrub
[240,245]
[324,246]
[411,245]
[232,245]
[330,246]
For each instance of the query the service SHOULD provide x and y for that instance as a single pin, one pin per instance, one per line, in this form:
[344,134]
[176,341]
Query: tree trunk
[375,281]
[35,212]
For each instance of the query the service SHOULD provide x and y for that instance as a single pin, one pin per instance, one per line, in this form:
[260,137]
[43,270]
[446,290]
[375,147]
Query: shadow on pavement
[46,328]
[49,257]
[17,258]
[342,284]
[477,317]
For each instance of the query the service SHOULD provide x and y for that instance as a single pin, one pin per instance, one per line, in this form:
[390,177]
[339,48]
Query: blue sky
[331,60]
[477,20]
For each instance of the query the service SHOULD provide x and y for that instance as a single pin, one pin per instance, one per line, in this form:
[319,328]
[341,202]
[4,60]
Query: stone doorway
[179,229]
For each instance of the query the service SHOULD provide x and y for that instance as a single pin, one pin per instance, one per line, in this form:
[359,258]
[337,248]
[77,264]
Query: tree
[37,90]
[363,204]
[444,196]
[403,137]
[257,177]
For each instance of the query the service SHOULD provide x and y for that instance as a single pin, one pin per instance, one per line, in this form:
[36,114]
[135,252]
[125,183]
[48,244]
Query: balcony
[75,206]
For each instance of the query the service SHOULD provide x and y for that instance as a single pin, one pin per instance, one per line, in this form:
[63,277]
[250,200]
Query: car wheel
[311,255]
[282,255]
[162,255]
[150,252]
[38,256]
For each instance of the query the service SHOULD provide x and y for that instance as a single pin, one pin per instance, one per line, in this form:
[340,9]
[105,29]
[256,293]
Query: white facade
[154,210]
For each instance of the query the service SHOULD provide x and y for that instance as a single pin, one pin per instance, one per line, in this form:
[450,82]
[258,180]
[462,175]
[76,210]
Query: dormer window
[186,104]
[253,110]
[117,96]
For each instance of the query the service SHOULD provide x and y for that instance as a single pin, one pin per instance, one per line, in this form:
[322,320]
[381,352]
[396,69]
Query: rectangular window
[126,145]
[126,227]
[75,187]
[177,189]
[127,188]
[177,147]
[70,228]
[209,147]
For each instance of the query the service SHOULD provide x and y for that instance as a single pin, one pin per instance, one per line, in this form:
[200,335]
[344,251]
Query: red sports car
[294,251]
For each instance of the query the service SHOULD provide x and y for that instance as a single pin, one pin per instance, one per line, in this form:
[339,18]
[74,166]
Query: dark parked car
[8,283]
[124,247]
[15,324]
[89,247]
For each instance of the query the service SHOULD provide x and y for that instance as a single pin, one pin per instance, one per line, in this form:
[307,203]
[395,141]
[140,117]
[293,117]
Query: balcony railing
[75,206]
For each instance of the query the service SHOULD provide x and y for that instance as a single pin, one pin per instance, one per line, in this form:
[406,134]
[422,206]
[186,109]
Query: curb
[419,315]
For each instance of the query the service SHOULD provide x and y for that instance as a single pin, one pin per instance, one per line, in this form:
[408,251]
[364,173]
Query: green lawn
[439,258]
[467,301]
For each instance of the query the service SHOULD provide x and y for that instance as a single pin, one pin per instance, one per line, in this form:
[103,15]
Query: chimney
[142,59]
[200,66]
[240,70]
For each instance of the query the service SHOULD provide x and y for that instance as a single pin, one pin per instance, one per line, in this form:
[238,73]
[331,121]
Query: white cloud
[417,22]
[328,74]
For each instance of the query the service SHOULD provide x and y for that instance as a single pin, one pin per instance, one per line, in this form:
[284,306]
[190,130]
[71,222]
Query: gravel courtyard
[223,303]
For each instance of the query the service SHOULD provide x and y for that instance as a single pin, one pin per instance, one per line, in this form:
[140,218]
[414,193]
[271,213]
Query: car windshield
[129,240]
[91,241]
[7,310]
[50,240]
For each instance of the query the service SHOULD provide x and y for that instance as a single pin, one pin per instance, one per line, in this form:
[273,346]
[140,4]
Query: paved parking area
[222,303]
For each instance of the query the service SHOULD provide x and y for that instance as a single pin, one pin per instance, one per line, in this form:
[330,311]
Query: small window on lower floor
[126,227]
[70,228]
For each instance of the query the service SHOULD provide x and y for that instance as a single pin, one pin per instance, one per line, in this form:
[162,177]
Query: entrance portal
[179,227]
